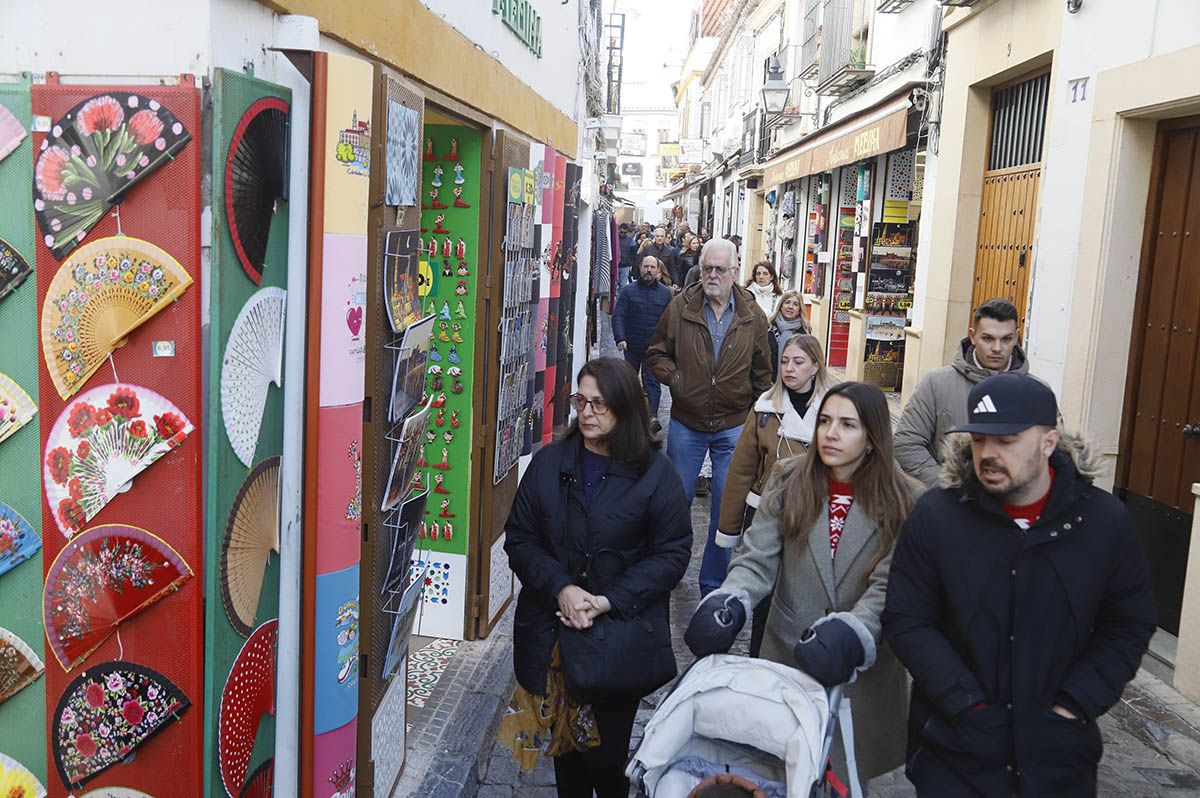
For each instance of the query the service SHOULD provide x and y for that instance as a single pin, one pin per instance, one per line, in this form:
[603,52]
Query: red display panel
[165,499]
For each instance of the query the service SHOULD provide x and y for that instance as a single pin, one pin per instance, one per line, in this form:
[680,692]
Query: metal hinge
[476,606]
[485,432]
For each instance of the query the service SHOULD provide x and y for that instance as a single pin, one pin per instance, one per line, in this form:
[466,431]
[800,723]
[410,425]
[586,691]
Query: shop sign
[520,17]
[666,148]
[530,186]
[853,143]
[631,169]
[691,151]
[632,144]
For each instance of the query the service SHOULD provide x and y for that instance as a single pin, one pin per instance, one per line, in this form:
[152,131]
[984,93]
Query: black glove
[715,625]
[830,652]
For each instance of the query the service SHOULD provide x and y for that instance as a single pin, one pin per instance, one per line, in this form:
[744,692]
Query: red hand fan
[248,695]
[100,579]
[261,783]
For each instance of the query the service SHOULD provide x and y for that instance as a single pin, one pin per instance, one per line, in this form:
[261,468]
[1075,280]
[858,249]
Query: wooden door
[1160,443]
[491,581]
[1008,210]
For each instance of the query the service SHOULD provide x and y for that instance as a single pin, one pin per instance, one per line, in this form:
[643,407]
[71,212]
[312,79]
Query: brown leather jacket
[703,398]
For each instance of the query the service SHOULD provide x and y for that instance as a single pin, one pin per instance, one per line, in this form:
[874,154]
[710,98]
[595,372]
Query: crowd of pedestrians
[964,586]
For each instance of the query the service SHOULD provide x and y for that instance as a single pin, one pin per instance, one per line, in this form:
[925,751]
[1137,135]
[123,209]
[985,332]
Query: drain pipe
[297,33]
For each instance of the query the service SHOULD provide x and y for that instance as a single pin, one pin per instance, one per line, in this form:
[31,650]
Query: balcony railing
[810,50]
[843,63]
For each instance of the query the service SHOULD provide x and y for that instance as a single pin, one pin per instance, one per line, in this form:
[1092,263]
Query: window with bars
[1019,123]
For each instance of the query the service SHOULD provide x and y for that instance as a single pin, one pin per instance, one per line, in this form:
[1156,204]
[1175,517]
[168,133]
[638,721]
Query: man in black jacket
[639,307]
[661,248]
[1020,601]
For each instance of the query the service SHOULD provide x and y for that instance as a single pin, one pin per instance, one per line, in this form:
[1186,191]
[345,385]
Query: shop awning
[866,136]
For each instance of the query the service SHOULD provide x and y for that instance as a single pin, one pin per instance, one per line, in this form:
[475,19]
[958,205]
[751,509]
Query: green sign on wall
[522,19]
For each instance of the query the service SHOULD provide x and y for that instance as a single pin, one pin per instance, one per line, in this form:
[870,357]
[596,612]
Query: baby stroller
[750,717]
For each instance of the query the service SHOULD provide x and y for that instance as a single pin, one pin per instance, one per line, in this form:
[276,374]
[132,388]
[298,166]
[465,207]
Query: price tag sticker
[163,348]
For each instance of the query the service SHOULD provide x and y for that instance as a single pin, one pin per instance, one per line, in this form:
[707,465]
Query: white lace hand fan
[253,360]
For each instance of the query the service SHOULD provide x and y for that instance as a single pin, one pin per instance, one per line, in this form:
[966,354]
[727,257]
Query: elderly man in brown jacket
[711,350]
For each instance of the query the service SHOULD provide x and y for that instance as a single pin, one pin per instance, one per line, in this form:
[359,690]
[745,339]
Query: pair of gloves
[831,651]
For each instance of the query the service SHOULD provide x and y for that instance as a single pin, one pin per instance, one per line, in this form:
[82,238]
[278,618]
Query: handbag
[618,658]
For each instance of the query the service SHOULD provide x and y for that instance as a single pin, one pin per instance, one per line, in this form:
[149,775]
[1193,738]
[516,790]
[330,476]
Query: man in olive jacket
[1020,602]
[711,350]
[940,401]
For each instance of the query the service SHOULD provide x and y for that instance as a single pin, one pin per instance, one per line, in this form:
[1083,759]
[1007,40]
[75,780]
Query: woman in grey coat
[823,538]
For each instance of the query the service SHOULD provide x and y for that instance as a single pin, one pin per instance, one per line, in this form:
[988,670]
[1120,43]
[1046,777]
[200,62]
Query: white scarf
[765,296]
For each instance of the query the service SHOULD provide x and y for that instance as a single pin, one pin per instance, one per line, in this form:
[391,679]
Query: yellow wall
[408,36]
[987,45]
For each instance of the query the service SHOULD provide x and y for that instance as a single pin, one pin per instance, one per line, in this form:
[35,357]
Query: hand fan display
[248,695]
[107,712]
[18,539]
[12,133]
[116,792]
[251,534]
[103,147]
[98,297]
[16,407]
[253,360]
[256,174]
[102,440]
[16,780]
[13,268]
[101,579]
[261,783]
[20,666]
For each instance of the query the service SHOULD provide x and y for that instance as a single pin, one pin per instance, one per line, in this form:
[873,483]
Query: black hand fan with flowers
[93,155]
[13,268]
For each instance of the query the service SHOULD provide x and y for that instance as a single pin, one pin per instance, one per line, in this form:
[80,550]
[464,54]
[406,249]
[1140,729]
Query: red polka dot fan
[248,695]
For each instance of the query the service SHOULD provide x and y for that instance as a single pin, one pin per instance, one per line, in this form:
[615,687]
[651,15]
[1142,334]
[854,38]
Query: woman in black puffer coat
[600,524]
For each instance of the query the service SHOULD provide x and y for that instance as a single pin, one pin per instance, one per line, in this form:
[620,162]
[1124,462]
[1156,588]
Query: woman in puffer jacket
[780,425]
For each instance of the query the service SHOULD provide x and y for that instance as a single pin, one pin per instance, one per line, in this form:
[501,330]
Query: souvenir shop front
[845,234]
[389,281]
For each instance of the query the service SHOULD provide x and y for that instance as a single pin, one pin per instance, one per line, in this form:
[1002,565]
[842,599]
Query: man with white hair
[711,349]
[660,247]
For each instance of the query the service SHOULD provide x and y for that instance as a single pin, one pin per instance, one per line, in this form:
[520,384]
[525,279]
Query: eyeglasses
[716,269]
[599,406]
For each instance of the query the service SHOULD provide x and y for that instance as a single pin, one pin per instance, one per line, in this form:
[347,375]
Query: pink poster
[339,487]
[343,319]
[334,763]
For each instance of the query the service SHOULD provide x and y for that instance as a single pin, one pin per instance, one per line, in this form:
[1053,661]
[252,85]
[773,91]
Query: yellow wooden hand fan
[251,534]
[101,293]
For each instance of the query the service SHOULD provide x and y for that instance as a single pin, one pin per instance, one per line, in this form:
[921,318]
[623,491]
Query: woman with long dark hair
[823,539]
[599,534]
[764,284]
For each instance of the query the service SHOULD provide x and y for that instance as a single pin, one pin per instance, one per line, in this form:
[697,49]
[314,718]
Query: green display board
[22,717]
[450,234]
[229,288]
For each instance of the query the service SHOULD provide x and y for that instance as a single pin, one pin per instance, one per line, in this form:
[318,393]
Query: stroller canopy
[777,710]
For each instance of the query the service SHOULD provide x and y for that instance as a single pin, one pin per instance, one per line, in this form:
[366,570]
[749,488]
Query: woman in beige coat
[823,539]
[780,425]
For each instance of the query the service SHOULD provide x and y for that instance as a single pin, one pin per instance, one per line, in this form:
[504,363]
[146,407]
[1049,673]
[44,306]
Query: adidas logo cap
[1007,404]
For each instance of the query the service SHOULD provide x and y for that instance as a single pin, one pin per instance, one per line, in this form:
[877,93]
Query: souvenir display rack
[888,301]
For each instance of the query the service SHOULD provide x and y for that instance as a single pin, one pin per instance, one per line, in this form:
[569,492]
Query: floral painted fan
[102,147]
[101,579]
[13,268]
[107,712]
[16,780]
[248,695]
[250,536]
[116,792]
[101,441]
[253,360]
[256,174]
[18,539]
[99,296]
[261,783]
[16,407]
[20,666]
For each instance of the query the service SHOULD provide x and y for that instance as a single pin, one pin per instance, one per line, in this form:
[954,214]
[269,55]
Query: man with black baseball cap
[1020,601]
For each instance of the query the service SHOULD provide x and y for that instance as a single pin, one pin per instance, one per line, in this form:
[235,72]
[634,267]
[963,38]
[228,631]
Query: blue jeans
[686,448]
[622,277]
[649,381]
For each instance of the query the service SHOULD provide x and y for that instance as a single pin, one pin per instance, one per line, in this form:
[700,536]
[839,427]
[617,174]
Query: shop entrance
[1160,436]
[1008,210]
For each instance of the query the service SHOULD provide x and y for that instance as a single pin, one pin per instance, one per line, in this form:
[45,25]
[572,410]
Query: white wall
[556,75]
[1101,36]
